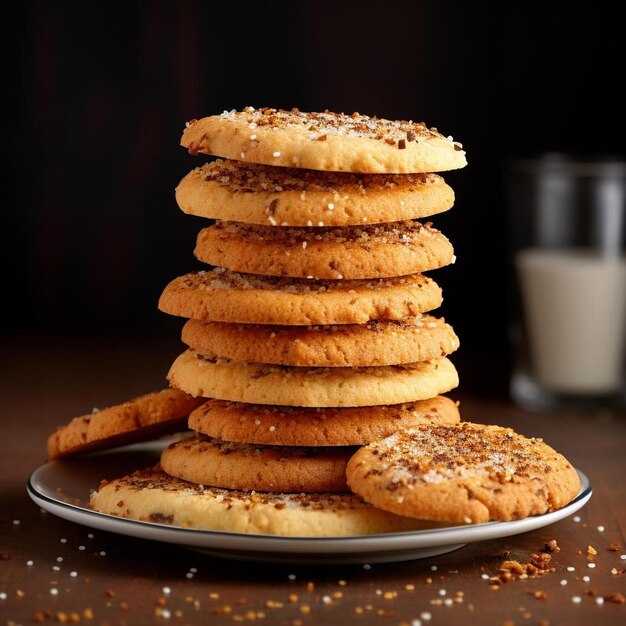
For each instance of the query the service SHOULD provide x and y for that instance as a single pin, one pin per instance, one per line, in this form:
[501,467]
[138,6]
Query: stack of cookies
[311,336]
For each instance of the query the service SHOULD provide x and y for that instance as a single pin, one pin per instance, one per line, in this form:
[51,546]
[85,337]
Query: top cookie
[327,141]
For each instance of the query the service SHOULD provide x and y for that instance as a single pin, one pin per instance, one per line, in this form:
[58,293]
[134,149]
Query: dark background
[99,93]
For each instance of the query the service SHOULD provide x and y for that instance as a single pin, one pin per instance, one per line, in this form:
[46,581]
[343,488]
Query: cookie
[375,343]
[326,141]
[248,467]
[140,419]
[222,296]
[279,196]
[465,473]
[297,426]
[256,383]
[151,495]
[379,251]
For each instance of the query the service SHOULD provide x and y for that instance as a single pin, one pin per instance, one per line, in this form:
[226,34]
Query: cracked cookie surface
[464,473]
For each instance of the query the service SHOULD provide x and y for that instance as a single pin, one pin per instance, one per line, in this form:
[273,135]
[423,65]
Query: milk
[574,304]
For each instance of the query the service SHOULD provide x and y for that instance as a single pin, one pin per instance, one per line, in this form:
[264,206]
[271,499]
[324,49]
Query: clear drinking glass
[567,233]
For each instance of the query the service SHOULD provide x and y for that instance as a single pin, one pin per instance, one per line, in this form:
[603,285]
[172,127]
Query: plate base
[331,559]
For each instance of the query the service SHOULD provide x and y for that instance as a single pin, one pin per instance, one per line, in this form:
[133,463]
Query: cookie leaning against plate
[139,419]
[326,141]
[257,383]
[348,345]
[380,251]
[280,196]
[229,465]
[465,473]
[222,296]
[150,495]
[299,426]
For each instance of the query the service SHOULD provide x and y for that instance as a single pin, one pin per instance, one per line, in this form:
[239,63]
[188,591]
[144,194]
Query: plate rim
[448,535]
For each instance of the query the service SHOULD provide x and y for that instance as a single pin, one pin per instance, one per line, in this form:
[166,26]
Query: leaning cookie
[379,251]
[415,339]
[151,495]
[300,426]
[256,383]
[139,419]
[280,196]
[464,473]
[206,461]
[326,141]
[222,296]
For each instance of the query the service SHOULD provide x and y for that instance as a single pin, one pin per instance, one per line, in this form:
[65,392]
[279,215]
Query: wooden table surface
[121,580]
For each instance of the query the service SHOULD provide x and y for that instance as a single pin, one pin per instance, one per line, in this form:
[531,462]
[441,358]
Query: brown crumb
[538,565]
[615,547]
[591,551]
[617,598]
[5,555]
[616,572]
[39,617]
[88,614]
[540,595]
[109,593]
[544,622]
[551,546]
[310,586]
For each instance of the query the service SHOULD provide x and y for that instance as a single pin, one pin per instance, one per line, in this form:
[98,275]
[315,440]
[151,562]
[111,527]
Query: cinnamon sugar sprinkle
[200,444]
[154,478]
[221,278]
[288,371]
[243,177]
[460,452]
[319,126]
[399,233]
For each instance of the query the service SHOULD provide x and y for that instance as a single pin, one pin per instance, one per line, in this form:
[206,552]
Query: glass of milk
[567,233]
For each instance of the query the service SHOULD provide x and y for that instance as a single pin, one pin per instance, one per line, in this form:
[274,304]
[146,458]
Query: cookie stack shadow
[310,335]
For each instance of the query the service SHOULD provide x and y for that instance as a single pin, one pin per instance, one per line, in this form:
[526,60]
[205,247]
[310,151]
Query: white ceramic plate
[63,488]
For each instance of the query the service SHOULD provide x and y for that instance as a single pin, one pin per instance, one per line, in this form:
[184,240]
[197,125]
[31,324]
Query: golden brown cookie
[375,343]
[256,383]
[378,251]
[206,461]
[326,141]
[222,296]
[465,473]
[298,426]
[151,495]
[280,196]
[140,419]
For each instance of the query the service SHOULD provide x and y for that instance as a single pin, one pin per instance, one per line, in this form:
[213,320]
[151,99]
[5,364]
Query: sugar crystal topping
[155,479]
[202,443]
[221,278]
[439,453]
[319,126]
[400,233]
[255,178]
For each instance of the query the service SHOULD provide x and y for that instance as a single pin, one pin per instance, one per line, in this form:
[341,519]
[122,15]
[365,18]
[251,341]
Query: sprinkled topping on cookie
[403,233]
[320,125]
[255,178]
[202,443]
[155,478]
[220,278]
[440,453]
